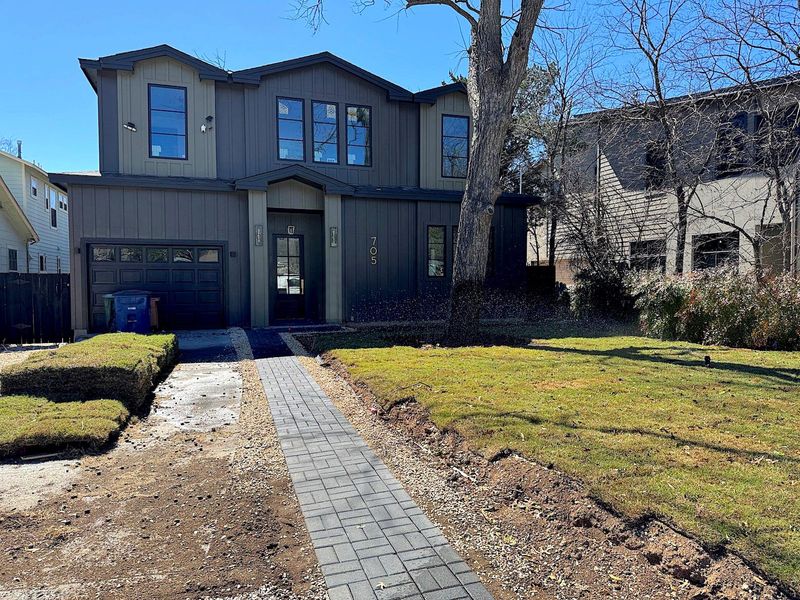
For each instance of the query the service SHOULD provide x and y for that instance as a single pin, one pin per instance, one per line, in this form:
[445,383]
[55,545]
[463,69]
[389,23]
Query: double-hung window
[455,146]
[649,255]
[359,135]
[167,121]
[715,250]
[290,129]
[436,250]
[53,204]
[34,187]
[326,132]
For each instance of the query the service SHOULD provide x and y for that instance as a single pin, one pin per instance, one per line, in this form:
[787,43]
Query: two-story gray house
[304,190]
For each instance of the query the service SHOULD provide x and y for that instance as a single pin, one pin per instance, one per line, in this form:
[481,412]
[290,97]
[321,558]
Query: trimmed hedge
[29,424]
[117,366]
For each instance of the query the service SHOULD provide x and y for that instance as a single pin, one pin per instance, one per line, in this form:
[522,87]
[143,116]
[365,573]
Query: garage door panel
[190,293]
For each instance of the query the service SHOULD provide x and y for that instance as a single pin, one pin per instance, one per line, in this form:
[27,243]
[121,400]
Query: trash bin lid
[126,293]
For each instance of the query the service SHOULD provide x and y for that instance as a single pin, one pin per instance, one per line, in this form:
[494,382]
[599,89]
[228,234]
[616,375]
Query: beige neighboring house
[732,198]
[34,232]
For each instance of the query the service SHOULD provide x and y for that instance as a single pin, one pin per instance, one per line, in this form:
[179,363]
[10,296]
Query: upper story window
[290,129]
[51,199]
[436,250]
[53,211]
[455,146]
[715,250]
[62,202]
[167,122]
[34,187]
[731,147]
[13,265]
[777,136]
[326,132]
[359,135]
[655,160]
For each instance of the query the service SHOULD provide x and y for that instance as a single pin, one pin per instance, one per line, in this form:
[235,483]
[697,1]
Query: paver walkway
[371,539]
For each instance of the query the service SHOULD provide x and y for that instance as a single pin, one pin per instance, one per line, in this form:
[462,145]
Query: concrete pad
[23,485]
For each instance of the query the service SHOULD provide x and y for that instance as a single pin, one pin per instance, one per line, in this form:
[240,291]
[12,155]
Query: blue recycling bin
[132,311]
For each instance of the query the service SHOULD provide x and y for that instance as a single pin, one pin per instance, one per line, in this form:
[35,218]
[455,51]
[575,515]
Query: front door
[290,302]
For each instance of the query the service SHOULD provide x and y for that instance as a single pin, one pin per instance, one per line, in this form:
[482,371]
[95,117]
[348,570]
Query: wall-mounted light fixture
[334,237]
[129,126]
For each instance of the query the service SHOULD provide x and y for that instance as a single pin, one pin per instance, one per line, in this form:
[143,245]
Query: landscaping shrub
[602,292]
[119,366]
[34,424]
[720,307]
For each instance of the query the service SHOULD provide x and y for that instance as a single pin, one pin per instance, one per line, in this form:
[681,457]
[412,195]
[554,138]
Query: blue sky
[48,103]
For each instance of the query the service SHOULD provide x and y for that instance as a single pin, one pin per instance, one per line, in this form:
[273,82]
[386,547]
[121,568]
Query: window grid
[181,151]
[325,127]
[359,135]
[455,146]
[649,255]
[715,250]
[287,139]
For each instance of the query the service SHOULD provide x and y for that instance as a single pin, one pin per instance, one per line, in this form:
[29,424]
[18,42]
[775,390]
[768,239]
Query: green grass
[120,366]
[647,427]
[30,424]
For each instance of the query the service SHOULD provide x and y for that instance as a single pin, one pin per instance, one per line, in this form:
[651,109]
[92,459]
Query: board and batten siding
[133,103]
[395,133]
[131,215]
[430,141]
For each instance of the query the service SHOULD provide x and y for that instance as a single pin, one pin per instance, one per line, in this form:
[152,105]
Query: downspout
[28,255]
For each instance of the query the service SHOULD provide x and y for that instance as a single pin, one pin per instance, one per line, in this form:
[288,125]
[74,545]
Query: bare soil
[528,530]
[169,513]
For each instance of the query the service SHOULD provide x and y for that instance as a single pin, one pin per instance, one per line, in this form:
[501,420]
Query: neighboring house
[34,229]
[616,174]
[305,190]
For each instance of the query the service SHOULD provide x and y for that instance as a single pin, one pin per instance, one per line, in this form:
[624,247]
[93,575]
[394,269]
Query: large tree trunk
[683,211]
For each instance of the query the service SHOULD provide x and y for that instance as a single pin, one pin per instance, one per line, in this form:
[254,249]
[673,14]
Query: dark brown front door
[290,300]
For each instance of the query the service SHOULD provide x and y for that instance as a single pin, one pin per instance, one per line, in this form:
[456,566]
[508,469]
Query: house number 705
[373,251]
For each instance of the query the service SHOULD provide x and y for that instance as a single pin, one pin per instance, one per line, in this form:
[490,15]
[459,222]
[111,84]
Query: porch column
[333,258]
[259,258]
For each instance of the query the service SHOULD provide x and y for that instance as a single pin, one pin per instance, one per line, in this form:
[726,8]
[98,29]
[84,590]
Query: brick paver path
[371,539]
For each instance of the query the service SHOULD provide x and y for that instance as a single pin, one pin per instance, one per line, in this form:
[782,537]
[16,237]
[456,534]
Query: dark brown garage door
[187,279]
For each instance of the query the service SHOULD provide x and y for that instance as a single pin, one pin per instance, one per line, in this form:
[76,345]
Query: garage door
[187,279]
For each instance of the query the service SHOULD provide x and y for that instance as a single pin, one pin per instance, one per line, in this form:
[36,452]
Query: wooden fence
[34,307]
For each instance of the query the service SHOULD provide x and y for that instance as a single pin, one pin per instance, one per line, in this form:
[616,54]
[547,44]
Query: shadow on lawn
[662,434]
[783,375]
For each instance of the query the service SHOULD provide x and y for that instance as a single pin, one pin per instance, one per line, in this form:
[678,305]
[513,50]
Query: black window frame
[707,238]
[347,137]
[278,128]
[13,259]
[428,251]
[441,144]
[313,132]
[643,254]
[185,137]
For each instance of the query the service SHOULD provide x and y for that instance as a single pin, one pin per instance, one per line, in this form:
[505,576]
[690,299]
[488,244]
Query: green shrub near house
[29,424]
[117,366]
[721,307]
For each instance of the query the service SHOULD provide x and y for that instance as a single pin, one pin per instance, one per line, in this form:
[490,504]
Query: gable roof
[254,75]
[299,173]
[17,216]
[125,61]
[431,95]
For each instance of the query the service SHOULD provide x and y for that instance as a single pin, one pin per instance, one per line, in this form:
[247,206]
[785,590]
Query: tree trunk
[551,244]
[683,211]
[475,221]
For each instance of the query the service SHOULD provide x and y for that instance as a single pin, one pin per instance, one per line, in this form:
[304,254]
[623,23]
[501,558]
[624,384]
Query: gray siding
[137,214]
[231,132]
[395,132]
[108,121]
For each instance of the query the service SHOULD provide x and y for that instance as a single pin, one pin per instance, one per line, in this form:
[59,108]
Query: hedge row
[117,366]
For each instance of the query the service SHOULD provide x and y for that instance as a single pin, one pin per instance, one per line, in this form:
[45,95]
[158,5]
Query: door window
[287,258]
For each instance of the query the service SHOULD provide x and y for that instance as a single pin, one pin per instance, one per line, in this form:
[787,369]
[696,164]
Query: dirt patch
[530,531]
[180,513]
[12,355]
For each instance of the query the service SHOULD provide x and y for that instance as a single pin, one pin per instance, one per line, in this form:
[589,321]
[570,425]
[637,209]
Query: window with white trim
[35,187]
[13,263]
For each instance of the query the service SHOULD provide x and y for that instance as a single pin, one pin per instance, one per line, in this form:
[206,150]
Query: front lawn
[645,424]
[31,424]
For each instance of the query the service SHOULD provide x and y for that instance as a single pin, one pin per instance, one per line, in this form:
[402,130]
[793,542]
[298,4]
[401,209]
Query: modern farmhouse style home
[308,190]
